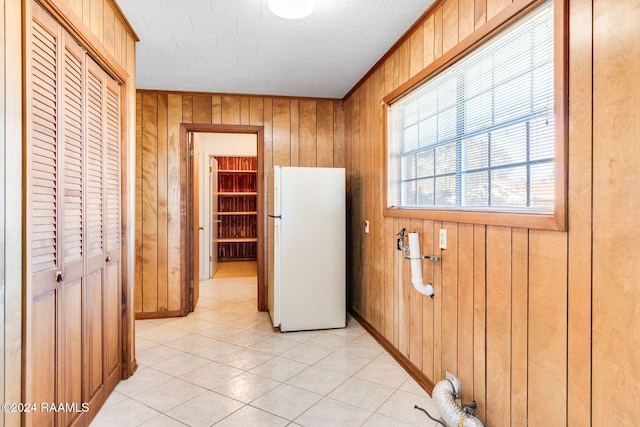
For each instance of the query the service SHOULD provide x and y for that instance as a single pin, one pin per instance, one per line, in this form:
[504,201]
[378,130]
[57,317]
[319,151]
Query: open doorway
[193,229]
[228,200]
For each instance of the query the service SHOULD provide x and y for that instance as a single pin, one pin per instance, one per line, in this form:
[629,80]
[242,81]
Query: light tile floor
[224,365]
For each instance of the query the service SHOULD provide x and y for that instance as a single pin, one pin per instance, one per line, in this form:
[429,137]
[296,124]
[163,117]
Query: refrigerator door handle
[275,216]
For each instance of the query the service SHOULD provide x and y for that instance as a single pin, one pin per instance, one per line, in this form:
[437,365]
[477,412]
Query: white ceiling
[239,46]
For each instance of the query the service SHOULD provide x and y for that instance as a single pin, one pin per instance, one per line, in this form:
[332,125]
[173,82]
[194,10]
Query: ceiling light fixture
[291,9]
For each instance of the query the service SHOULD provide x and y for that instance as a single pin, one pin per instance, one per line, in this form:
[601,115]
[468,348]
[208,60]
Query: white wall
[216,144]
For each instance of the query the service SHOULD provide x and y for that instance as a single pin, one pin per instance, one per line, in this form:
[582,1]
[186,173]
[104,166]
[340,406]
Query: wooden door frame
[186,207]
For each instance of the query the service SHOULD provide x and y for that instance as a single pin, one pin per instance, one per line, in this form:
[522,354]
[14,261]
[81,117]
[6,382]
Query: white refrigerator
[307,278]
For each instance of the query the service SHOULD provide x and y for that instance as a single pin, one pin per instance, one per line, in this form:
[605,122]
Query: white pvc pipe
[448,408]
[416,266]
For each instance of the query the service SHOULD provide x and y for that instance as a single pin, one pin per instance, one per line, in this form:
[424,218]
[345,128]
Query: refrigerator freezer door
[312,248]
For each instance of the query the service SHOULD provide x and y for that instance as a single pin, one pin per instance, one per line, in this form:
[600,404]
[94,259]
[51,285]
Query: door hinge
[210,169]
[191,284]
[210,258]
[191,152]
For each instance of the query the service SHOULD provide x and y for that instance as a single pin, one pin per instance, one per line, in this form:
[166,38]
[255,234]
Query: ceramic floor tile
[169,395]
[231,367]
[286,401]
[182,364]
[163,421]
[144,379]
[245,359]
[124,414]
[361,393]
[306,353]
[366,349]
[331,413]
[246,387]
[329,341]
[377,420]
[142,344]
[400,406]
[156,354]
[274,345]
[216,350]
[343,363]
[411,386]
[161,334]
[252,417]
[211,375]
[205,409]
[318,380]
[279,369]
[383,373]
[189,343]
[114,398]
[245,338]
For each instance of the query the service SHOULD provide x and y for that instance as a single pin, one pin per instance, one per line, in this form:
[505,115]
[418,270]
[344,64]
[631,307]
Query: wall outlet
[457,385]
[366,226]
[443,238]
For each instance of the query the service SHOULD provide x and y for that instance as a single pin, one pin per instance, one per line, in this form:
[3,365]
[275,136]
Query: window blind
[480,134]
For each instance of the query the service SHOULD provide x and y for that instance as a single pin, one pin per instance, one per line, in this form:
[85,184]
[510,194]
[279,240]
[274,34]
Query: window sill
[506,219]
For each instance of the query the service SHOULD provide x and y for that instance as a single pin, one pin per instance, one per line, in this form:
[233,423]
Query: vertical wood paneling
[498,325]
[187,109]
[428,326]
[163,242]
[244,111]
[429,44]
[480,13]
[216,109]
[438,35]
[96,11]
[109,27]
[465,309]
[287,121]
[138,293]
[389,278]
[496,6]
[580,211]
[256,111]
[308,133]
[281,132]
[519,325]
[449,298]
[466,18]
[202,109]
[295,132]
[404,291]
[174,118]
[417,51]
[339,154]
[479,319]
[415,305]
[450,24]
[325,137]
[616,223]
[547,347]
[231,109]
[149,202]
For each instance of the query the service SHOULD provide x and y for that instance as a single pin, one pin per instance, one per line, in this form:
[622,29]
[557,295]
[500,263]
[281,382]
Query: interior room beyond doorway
[212,146]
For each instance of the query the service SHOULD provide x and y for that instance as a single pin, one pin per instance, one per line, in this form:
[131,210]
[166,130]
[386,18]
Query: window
[479,136]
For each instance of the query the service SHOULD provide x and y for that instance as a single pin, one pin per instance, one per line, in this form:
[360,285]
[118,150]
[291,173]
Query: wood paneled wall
[297,132]
[10,210]
[112,36]
[513,314]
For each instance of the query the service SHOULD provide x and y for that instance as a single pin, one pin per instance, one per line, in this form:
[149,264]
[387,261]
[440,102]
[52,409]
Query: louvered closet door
[73,227]
[95,100]
[43,212]
[72,202]
[112,221]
